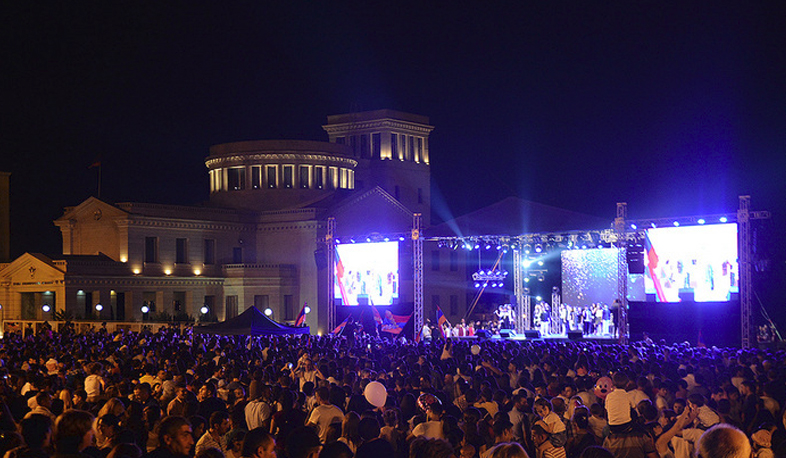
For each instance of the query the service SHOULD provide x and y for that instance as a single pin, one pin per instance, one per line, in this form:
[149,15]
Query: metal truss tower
[417,253]
[556,309]
[746,284]
[522,298]
[622,272]
[331,258]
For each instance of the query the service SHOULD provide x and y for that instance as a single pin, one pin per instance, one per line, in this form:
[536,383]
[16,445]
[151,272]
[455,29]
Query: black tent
[252,322]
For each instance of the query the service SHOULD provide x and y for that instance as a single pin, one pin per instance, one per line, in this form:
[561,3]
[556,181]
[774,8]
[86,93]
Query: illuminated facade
[258,241]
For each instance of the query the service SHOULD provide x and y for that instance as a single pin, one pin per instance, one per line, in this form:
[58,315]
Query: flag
[394,324]
[340,279]
[301,317]
[341,326]
[652,264]
[96,163]
[441,320]
[377,316]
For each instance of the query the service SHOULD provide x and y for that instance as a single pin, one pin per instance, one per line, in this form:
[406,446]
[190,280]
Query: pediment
[92,209]
[30,269]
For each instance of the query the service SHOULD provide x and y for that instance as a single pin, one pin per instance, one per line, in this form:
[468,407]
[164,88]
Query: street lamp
[99,307]
[268,312]
[204,310]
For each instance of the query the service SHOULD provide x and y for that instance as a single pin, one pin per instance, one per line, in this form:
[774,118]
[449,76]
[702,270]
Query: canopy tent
[252,322]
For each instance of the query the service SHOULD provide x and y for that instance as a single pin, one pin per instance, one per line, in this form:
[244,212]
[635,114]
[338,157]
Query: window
[272,176]
[435,260]
[453,304]
[419,150]
[420,195]
[376,145]
[210,303]
[237,255]
[394,146]
[319,178]
[411,149]
[256,177]
[236,178]
[231,311]
[304,177]
[151,249]
[333,177]
[289,307]
[210,251]
[341,140]
[289,176]
[181,251]
[453,261]
[178,301]
[261,301]
[365,148]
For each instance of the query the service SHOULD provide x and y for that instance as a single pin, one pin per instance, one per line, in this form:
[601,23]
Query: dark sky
[674,107]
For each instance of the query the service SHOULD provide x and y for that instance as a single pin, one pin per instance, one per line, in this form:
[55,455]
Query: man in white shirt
[258,410]
[324,414]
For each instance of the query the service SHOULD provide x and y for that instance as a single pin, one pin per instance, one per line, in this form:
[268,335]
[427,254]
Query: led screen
[691,263]
[366,273]
[589,276]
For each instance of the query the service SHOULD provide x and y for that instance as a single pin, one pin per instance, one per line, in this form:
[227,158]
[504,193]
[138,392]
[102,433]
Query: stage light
[653,225]
[527,248]
[499,247]
[401,239]
[145,309]
[387,239]
[477,285]
[540,263]
[634,227]
[538,298]
[526,263]
[351,240]
[584,247]
[368,239]
[204,310]
[676,224]
[526,280]
[541,278]
[723,219]
[701,221]
[477,246]
[482,272]
[338,242]
[468,246]
[268,311]
[46,308]
[99,307]
[488,246]
[485,285]
[538,248]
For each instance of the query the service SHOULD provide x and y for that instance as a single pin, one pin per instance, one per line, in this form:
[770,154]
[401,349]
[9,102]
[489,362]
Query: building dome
[277,174]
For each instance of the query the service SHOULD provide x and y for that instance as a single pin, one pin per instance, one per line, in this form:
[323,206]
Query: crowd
[170,393]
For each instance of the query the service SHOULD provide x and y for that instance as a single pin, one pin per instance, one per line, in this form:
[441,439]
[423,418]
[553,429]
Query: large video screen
[366,274]
[589,276]
[691,263]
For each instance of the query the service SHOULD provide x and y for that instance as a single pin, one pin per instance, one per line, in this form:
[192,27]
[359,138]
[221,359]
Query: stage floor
[548,338]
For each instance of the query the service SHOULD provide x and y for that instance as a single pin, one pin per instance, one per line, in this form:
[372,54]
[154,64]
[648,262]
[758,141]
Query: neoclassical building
[258,241]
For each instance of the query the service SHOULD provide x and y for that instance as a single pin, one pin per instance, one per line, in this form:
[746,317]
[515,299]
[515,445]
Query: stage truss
[619,236]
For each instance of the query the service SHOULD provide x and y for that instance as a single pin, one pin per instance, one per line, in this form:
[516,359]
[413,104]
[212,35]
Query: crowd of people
[171,393]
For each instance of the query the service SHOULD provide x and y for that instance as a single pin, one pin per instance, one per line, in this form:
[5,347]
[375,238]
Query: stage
[530,336]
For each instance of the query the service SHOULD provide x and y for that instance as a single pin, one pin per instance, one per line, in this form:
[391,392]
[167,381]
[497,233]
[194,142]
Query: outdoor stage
[534,337]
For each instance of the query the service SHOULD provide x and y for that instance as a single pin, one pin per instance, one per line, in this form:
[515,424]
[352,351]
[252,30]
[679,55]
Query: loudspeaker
[320,258]
[575,335]
[686,295]
[507,333]
[532,334]
[635,257]
[482,334]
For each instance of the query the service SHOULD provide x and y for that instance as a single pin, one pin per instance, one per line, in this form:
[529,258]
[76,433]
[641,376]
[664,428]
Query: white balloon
[475,349]
[376,394]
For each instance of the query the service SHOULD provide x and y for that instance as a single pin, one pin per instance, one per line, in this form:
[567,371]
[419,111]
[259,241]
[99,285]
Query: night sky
[676,108]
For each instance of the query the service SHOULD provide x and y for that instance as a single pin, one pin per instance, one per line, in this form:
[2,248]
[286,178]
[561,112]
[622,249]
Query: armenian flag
[340,279]
[341,326]
[441,320]
[301,317]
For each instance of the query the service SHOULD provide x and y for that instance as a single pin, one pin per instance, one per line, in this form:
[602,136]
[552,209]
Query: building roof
[515,216]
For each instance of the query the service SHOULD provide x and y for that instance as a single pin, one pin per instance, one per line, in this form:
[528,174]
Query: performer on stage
[506,316]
